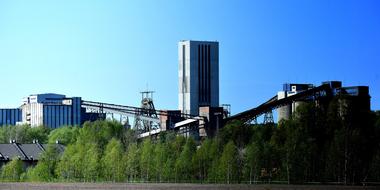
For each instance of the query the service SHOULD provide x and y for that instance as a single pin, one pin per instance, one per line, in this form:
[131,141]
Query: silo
[285,111]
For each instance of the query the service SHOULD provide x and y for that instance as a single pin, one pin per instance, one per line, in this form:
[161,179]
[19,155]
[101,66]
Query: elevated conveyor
[273,103]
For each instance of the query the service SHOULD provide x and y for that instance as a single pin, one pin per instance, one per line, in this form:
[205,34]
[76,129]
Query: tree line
[317,144]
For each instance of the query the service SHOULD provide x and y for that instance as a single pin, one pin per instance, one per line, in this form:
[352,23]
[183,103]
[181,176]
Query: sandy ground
[150,186]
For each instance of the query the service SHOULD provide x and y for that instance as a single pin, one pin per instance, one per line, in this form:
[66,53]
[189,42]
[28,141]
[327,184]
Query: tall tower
[198,75]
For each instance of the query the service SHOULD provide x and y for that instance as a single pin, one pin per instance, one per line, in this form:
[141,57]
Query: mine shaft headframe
[147,103]
[146,109]
[147,95]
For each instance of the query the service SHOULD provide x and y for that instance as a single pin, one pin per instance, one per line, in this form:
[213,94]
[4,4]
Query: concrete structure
[350,98]
[167,120]
[284,112]
[51,110]
[10,116]
[198,75]
[214,116]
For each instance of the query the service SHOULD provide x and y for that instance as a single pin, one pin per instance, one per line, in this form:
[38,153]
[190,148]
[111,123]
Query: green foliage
[146,160]
[228,164]
[65,135]
[129,137]
[100,132]
[23,134]
[37,133]
[132,162]
[161,155]
[374,172]
[184,165]
[319,144]
[45,169]
[68,166]
[252,160]
[236,131]
[91,165]
[213,155]
[113,162]
[203,160]
[12,170]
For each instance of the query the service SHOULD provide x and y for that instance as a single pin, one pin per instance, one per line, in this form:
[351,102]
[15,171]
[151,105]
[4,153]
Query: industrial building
[10,116]
[284,112]
[50,110]
[199,88]
[198,75]
[359,95]
[198,115]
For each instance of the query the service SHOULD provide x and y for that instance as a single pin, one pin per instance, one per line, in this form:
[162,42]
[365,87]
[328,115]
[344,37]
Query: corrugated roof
[25,151]
[32,151]
[10,151]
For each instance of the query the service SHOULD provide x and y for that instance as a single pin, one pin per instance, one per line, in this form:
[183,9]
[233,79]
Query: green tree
[132,161]
[168,172]
[296,149]
[236,131]
[202,160]
[228,165]
[213,153]
[252,161]
[12,170]
[70,165]
[91,166]
[45,169]
[146,159]
[113,165]
[37,133]
[64,135]
[129,137]
[184,162]
[374,172]
[23,134]
[161,156]
[100,132]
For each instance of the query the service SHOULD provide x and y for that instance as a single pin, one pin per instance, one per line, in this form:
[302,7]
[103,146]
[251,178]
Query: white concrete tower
[198,75]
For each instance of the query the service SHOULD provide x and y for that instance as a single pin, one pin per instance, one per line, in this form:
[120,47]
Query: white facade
[198,75]
[51,110]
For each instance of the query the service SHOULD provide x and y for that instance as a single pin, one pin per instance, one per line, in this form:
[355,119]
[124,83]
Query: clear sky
[110,50]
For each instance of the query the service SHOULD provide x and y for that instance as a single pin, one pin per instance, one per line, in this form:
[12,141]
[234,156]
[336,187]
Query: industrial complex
[199,113]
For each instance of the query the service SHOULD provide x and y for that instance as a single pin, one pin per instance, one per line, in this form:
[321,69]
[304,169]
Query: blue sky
[110,50]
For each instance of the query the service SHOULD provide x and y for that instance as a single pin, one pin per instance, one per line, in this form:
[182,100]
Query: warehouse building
[51,110]
[10,116]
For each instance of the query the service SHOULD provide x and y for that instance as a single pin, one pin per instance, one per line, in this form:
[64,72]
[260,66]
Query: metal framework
[147,116]
[267,107]
[129,111]
[147,109]
[268,117]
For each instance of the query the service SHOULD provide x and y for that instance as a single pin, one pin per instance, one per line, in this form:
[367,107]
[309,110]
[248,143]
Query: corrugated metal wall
[52,111]
[10,116]
[55,116]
